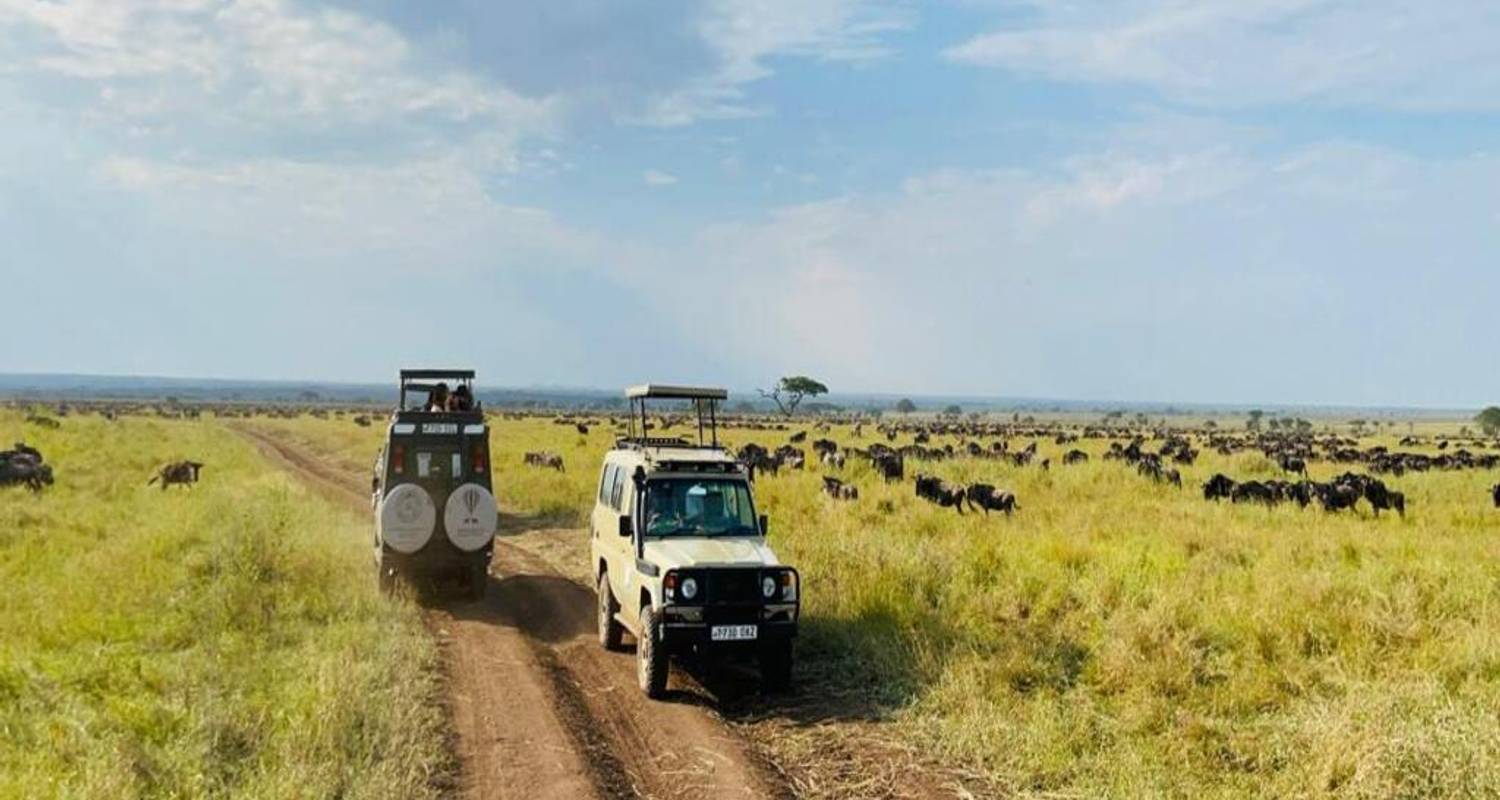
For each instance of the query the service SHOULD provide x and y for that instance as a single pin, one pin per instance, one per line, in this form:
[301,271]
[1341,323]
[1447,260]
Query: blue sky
[1281,201]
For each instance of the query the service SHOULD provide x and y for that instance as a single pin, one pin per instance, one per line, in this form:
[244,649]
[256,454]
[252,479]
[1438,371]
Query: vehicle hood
[716,551]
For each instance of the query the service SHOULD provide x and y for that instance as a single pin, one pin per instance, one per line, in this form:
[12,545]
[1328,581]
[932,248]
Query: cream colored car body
[636,579]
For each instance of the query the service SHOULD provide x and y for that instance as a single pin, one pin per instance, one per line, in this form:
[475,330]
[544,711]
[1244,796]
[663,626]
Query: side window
[618,489]
[607,483]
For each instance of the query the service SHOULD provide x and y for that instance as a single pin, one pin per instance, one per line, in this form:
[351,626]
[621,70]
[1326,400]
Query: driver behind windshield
[693,507]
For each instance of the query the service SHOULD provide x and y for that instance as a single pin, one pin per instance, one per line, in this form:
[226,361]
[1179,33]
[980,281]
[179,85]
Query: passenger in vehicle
[438,399]
[461,399]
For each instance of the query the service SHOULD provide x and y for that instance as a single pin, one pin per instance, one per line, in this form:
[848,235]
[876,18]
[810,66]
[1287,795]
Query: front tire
[651,657]
[610,630]
[776,667]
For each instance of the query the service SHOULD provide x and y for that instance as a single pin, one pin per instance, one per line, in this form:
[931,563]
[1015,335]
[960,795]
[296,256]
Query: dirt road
[539,709]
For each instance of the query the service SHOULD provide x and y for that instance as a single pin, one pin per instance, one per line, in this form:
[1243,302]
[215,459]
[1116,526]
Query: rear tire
[610,630]
[651,658]
[776,667]
[385,577]
[477,580]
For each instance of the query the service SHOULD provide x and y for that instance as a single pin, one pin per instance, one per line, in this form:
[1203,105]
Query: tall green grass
[1122,639]
[221,641]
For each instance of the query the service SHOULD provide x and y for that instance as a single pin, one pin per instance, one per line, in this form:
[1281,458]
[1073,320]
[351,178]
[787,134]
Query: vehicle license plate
[732,633]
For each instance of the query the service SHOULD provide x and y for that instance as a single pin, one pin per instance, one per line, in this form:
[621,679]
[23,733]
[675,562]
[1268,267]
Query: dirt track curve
[539,709]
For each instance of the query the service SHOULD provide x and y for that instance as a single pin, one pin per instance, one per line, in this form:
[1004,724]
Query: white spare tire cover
[407,517]
[470,517]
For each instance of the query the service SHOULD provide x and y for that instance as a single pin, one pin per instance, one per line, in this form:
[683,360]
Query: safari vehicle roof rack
[422,381]
[705,402]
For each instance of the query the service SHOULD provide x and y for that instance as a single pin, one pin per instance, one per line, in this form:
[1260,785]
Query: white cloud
[1130,274]
[744,34]
[655,177]
[1394,54]
[249,69]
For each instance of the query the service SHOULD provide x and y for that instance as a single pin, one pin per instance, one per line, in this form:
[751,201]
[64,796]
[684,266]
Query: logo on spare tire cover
[470,517]
[407,517]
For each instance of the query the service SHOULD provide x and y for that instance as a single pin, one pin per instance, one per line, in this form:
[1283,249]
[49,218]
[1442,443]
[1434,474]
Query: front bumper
[691,627]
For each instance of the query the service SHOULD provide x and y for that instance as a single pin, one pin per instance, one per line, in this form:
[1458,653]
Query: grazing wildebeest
[825,446]
[1496,492]
[1075,457]
[798,437]
[835,460]
[545,460]
[184,473]
[44,422]
[362,421]
[891,466]
[23,466]
[1252,492]
[990,499]
[1383,498]
[583,430]
[1293,464]
[937,490]
[1337,496]
[838,490]
[790,457]
[1218,487]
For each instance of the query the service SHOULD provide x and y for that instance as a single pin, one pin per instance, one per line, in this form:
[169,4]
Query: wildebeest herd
[1342,493]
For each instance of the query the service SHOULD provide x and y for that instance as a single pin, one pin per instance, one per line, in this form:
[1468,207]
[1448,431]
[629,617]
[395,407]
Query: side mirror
[626,529]
[765,525]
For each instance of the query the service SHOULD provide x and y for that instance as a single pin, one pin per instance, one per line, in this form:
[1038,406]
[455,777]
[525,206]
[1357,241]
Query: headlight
[768,587]
[689,588]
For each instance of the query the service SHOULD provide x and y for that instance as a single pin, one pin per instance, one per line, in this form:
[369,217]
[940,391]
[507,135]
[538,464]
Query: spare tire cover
[470,517]
[407,517]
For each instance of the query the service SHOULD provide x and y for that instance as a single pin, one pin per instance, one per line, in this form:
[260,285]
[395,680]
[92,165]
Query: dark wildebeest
[990,499]
[799,436]
[362,421]
[1383,498]
[44,422]
[1293,464]
[1496,492]
[1252,492]
[1219,487]
[1075,457]
[583,430]
[891,466]
[23,466]
[545,459]
[1337,496]
[937,490]
[824,446]
[833,459]
[838,490]
[184,473]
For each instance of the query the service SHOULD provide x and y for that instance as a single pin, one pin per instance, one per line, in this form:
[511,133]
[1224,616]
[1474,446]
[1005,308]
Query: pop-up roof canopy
[423,380]
[705,401]
[662,391]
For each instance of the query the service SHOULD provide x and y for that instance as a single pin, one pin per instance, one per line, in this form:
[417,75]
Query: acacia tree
[1489,420]
[791,391]
[906,406]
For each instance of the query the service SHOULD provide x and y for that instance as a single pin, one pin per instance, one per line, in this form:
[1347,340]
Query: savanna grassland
[1118,637]
[225,640]
[1115,638]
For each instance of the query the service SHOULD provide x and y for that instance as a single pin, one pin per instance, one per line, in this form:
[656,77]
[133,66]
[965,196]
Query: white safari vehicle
[434,505]
[679,554]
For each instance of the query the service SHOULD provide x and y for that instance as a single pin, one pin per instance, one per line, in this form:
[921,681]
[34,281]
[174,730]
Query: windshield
[699,507]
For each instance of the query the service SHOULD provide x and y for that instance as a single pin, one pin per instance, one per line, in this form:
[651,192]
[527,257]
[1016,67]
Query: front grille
[733,587]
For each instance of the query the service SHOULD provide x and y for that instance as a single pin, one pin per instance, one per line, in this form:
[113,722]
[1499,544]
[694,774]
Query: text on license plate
[732,633]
